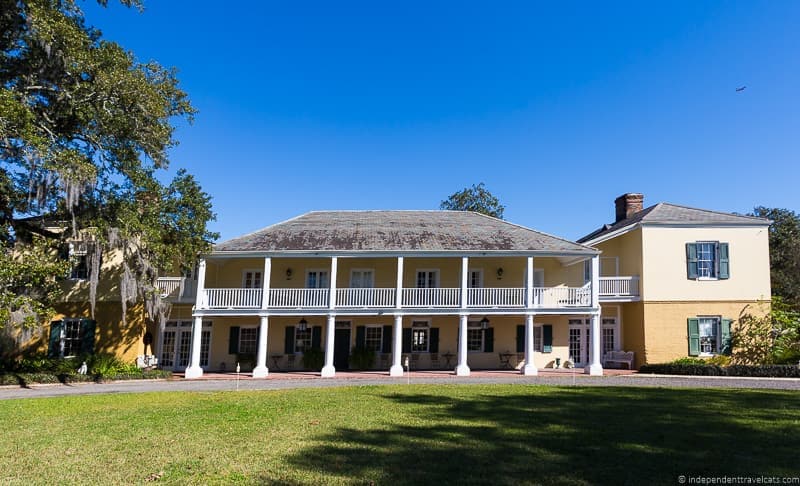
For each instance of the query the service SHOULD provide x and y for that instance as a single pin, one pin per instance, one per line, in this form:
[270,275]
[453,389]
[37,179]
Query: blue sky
[558,107]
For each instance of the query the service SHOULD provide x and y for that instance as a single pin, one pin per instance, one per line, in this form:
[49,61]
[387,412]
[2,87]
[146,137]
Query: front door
[176,345]
[341,349]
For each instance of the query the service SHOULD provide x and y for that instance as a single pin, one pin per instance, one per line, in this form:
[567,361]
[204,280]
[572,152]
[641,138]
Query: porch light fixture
[484,323]
[302,325]
[289,274]
[500,273]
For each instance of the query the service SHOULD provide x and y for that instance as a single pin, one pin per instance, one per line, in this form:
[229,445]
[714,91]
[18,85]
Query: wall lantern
[289,274]
[302,325]
[484,323]
[500,273]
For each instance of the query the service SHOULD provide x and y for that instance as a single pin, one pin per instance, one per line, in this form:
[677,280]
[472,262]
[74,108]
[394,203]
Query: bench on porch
[618,357]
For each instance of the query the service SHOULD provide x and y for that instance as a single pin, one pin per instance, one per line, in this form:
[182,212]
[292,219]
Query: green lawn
[456,434]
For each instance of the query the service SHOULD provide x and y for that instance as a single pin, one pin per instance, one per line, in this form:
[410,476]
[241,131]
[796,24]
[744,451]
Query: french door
[176,345]
[580,338]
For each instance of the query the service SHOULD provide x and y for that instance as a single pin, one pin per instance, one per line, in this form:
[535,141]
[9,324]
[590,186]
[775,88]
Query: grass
[456,434]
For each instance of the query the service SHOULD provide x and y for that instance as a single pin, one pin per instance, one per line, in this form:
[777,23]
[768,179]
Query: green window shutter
[521,339]
[488,340]
[406,339]
[691,260]
[54,346]
[386,344]
[725,334]
[724,262]
[361,336]
[694,336]
[433,347]
[316,337]
[547,338]
[288,340]
[233,340]
[87,336]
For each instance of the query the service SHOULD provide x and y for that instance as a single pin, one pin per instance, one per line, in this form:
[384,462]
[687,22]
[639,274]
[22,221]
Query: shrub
[362,358]
[313,359]
[247,361]
[108,365]
[765,371]
[690,361]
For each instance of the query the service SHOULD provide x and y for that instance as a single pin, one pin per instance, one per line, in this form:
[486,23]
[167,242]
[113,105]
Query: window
[248,340]
[608,340]
[537,339]
[317,279]
[474,339]
[475,279]
[362,279]
[251,279]
[373,339]
[302,339]
[78,256]
[72,337]
[707,260]
[420,337]
[709,337]
[427,279]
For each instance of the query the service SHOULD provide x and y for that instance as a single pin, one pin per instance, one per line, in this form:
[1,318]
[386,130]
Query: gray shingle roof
[422,231]
[666,213]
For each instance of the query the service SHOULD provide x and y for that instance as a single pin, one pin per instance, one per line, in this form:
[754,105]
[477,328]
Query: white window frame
[78,255]
[64,338]
[476,326]
[717,328]
[367,339]
[422,326]
[362,271]
[428,272]
[310,339]
[255,275]
[471,273]
[538,339]
[714,260]
[255,340]
[319,272]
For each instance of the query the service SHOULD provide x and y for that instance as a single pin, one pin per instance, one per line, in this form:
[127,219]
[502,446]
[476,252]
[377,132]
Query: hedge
[25,379]
[765,371]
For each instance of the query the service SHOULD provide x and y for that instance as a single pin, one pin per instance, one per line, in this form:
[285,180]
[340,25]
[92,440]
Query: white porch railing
[619,286]
[298,298]
[232,298]
[431,297]
[496,297]
[555,297]
[365,297]
[169,286]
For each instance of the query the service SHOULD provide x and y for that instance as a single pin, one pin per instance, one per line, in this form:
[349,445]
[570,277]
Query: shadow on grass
[565,436]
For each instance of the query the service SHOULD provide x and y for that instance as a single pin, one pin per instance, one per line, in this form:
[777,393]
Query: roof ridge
[531,229]
[712,211]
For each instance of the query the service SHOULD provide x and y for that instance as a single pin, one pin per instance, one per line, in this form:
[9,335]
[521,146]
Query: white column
[332,296]
[530,367]
[194,370]
[261,370]
[529,284]
[464,281]
[399,287]
[397,348]
[594,368]
[328,371]
[265,279]
[462,369]
[596,282]
[200,300]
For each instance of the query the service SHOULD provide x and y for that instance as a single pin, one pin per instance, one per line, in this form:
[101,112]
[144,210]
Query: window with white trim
[248,340]
[427,279]
[709,334]
[706,260]
[71,338]
[302,339]
[362,278]
[251,279]
[474,339]
[475,280]
[373,338]
[317,279]
[538,344]
[420,337]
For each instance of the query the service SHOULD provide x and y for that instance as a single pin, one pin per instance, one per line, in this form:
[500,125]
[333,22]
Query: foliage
[710,369]
[767,337]
[247,361]
[108,365]
[85,131]
[402,435]
[784,253]
[313,359]
[362,358]
[476,198]
[39,368]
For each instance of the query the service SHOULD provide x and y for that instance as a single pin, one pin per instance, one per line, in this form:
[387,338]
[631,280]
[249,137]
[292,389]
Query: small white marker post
[237,375]
[408,372]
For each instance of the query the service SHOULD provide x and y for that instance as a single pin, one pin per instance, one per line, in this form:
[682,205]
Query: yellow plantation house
[442,290]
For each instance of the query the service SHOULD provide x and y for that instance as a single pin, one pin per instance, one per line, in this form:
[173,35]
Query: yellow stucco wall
[664,277]
[626,247]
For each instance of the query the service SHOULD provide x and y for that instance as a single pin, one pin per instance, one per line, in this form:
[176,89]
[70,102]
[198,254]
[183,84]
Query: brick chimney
[628,205]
